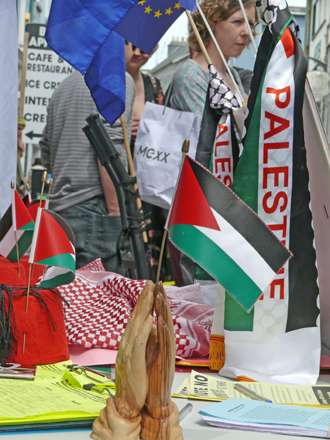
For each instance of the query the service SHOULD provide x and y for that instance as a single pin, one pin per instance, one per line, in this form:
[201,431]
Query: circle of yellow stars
[159,13]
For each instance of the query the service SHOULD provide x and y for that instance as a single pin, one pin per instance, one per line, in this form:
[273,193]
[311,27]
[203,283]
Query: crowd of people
[80,192]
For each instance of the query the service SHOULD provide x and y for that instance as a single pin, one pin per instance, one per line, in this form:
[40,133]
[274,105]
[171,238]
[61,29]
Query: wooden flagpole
[253,41]
[44,178]
[185,150]
[131,167]
[198,37]
[239,94]
[217,342]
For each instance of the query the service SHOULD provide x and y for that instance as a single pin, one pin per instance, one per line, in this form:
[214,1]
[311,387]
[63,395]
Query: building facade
[319,58]
[177,53]
[319,47]
[33,11]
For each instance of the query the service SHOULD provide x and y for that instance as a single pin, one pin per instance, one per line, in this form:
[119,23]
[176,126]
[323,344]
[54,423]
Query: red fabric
[23,216]
[52,240]
[187,210]
[98,305]
[43,323]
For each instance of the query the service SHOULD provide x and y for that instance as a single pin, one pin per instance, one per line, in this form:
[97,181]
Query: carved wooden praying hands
[160,418]
[142,408]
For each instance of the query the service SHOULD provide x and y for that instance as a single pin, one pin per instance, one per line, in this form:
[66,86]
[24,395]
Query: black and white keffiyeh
[268,9]
[220,95]
[225,149]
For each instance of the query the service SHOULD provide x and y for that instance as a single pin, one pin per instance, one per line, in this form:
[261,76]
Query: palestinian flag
[214,228]
[16,229]
[53,246]
[272,178]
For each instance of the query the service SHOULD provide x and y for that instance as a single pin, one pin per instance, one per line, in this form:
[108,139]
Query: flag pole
[239,94]
[124,128]
[198,37]
[131,166]
[32,252]
[185,150]
[43,183]
[217,339]
[27,303]
[254,44]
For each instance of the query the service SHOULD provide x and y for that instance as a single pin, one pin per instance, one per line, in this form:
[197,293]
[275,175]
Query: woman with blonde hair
[190,81]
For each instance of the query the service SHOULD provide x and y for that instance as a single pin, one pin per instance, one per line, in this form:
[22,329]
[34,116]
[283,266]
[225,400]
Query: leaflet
[216,388]
[48,398]
[260,416]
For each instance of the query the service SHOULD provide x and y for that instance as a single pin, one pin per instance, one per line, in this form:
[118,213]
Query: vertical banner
[8,99]
[280,339]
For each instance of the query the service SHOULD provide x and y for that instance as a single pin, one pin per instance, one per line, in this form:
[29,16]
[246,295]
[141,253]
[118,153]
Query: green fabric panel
[221,267]
[236,318]
[246,186]
[23,245]
[27,227]
[59,280]
[61,260]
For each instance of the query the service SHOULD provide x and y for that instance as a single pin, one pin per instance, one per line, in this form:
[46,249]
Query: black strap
[6,336]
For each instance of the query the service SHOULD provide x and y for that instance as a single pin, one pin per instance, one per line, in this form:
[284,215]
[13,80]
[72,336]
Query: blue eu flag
[146,22]
[90,34]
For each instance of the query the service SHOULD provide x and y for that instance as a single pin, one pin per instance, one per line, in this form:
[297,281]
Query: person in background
[190,82]
[147,89]
[187,91]
[77,192]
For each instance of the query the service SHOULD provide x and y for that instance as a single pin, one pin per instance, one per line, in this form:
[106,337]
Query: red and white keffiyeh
[98,305]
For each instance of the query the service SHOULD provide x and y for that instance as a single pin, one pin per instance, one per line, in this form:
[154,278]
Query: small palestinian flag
[213,227]
[52,246]
[16,229]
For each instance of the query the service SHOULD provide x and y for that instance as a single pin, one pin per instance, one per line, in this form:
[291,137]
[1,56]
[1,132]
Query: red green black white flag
[52,246]
[16,229]
[281,332]
[214,228]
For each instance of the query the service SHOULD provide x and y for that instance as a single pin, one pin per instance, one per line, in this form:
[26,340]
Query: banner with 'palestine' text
[280,339]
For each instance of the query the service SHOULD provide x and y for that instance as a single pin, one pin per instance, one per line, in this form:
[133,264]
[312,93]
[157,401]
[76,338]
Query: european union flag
[89,34]
[80,32]
[146,22]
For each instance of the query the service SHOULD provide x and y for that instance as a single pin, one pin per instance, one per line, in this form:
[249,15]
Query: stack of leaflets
[15,371]
[253,415]
[61,395]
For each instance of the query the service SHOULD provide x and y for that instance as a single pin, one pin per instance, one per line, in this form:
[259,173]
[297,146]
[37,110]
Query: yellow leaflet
[216,388]
[48,398]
